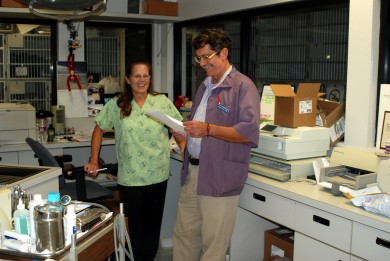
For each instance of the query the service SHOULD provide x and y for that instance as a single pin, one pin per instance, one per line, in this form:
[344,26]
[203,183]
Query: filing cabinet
[308,249]
[370,243]
[9,158]
[323,226]
[269,205]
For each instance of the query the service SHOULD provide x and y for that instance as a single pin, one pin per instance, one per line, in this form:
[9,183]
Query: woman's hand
[91,168]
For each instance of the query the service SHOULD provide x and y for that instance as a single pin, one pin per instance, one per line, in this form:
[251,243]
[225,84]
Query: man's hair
[215,37]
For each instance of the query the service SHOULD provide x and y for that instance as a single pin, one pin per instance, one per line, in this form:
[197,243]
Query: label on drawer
[276,251]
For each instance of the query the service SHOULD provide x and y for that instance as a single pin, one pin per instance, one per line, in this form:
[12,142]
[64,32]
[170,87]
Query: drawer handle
[321,220]
[258,197]
[383,242]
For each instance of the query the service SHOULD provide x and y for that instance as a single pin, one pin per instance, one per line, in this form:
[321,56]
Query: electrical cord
[299,179]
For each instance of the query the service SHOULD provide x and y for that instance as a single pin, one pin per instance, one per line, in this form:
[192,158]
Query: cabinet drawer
[326,227]
[9,158]
[309,249]
[268,205]
[370,243]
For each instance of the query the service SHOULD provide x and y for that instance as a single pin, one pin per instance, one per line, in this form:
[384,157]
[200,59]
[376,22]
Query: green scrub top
[141,142]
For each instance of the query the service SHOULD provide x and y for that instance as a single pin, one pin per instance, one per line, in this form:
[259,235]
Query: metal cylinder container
[49,227]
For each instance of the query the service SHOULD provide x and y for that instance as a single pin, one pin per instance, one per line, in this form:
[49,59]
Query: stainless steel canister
[49,227]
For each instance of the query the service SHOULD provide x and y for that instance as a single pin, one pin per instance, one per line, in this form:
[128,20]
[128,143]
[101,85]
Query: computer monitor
[105,97]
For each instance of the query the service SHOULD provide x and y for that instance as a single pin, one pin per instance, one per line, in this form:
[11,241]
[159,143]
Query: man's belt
[194,161]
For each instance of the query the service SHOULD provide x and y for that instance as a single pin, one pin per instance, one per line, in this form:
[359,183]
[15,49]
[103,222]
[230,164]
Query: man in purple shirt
[221,130]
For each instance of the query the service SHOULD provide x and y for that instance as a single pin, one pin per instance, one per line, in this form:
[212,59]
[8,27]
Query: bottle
[54,198]
[21,219]
[5,224]
[69,224]
[37,200]
[51,133]
[42,130]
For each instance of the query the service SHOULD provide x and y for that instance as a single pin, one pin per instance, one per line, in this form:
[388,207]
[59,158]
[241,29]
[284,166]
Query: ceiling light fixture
[66,9]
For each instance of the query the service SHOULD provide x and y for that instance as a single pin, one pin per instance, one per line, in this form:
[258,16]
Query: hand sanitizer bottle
[21,218]
[37,200]
[69,223]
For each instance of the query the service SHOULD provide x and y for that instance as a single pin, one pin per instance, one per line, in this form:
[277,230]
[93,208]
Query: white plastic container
[69,223]
[21,219]
[4,225]
[18,245]
[37,200]
[8,234]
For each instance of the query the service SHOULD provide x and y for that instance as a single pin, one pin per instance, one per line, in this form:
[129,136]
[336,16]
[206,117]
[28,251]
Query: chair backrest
[45,158]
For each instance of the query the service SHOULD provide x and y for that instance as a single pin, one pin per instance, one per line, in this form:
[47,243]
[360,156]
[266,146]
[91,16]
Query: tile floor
[164,254]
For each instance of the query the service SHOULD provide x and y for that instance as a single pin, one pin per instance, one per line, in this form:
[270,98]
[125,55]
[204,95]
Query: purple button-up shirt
[223,166]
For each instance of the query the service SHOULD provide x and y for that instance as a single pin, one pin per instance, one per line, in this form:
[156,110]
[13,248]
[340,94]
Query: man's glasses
[204,57]
[139,77]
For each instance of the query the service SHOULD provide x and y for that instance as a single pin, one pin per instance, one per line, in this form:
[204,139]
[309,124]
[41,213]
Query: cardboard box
[331,114]
[155,7]
[278,242]
[296,109]
[12,3]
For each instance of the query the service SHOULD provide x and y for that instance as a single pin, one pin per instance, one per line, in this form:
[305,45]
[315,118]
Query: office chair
[81,189]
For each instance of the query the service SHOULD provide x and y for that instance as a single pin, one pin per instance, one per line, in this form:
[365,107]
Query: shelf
[24,13]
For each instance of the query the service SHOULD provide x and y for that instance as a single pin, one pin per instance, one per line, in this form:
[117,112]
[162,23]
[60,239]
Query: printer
[17,123]
[287,153]
[355,169]
[293,143]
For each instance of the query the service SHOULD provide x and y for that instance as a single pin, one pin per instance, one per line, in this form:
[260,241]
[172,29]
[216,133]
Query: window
[26,64]
[289,43]
[308,46]
[109,47]
[194,73]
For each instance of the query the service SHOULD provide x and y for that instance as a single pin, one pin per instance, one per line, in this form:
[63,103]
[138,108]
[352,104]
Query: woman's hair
[215,37]
[126,97]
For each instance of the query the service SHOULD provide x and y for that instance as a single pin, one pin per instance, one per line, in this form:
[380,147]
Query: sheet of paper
[76,103]
[167,120]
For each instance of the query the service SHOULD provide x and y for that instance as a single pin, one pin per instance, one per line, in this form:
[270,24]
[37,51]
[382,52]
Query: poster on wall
[76,103]
[385,137]
[75,100]
[384,105]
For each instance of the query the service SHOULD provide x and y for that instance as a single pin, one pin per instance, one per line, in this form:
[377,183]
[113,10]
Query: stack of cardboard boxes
[307,108]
